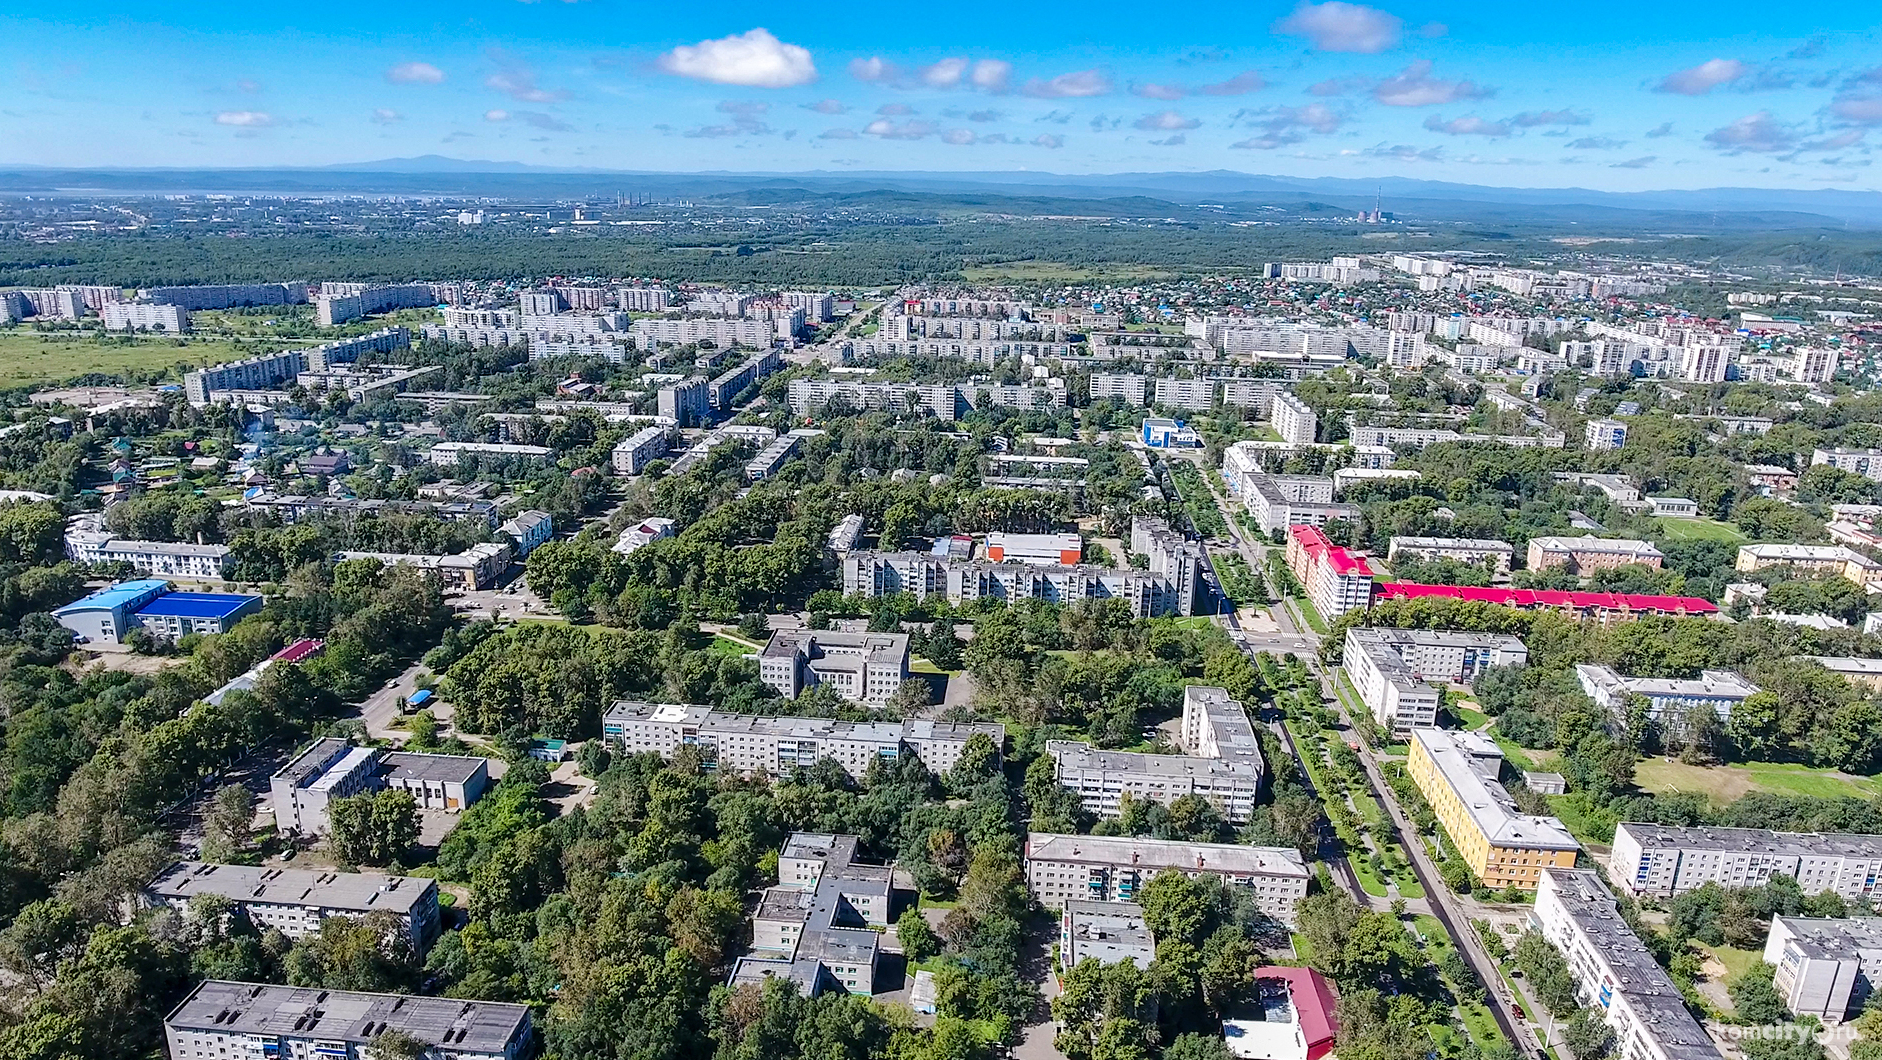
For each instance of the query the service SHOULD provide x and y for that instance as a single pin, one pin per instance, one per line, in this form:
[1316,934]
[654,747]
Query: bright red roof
[1313,1000]
[1315,544]
[1691,605]
[299,650]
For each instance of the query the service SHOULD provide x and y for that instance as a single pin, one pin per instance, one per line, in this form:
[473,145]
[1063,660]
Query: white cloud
[1860,110]
[415,74]
[945,74]
[1405,153]
[1077,85]
[894,110]
[827,106]
[1595,143]
[547,122]
[1469,126]
[245,119]
[1665,128]
[1049,141]
[1155,91]
[1176,140]
[1165,121]
[1849,138]
[386,116]
[754,59]
[515,79]
[1754,132]
[1241,84]
[1415,87]
[838,134]
[983,115]
[496,115]
[873,69]
[992,75]
[1635,163]
[1282,126]
[1533,119]
[961,137]
[908,130]
[1698,80]
[1341,27]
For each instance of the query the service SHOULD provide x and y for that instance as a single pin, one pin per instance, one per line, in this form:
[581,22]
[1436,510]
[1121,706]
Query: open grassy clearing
[1723,784]
[28,357]
[1059,271]
[1683,529]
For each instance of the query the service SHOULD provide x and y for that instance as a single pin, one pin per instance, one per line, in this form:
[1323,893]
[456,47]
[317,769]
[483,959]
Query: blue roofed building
[173,615]
[105,616]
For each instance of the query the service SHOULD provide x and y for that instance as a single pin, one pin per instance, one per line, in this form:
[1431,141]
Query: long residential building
[1148,594]
[632,454]
[744,743]
[722,332]
[1820,560]
[1588,553]
[228,295]
[1064,868]
[1222,763]
[1668,699]
[1419,437]
[1825,967]
[87,541]
[1457,773]
[1392,668]
[821,924]
[1665,860]
[1472,550]
[145,316]
[1864,462]
[1175,557]
[810,395]
[1605,608]
[1336,580]
[1246,456]
[220,1019]
[1280,501]
[1615,974]
[297,901]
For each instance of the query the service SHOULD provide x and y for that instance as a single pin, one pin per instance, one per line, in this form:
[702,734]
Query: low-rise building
[1106,932]
[819,927]
[1668,699]
[174,615]
[1041,549]
[632,455]
[330,768]
[449,454]
[1826,561]
[87,541]
[1864,462]
[642,534]
[1163,433]
[1222,763]
[529,529]
[1826,968]
[1588,553]
[1475,551]
[1148,593]
[777,746]
[864,667]
[1603,608]
[1391,668]
[1457,774]
[297,901]
[1064,868]
[1615,974]
[477,567]
[221,1018]
[1665,860]
[1864,672]
[1291,1017]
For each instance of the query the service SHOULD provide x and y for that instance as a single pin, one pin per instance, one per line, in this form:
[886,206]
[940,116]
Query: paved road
[379,708]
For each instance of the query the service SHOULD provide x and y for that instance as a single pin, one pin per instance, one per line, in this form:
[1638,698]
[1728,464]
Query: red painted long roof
[1548,598]
[1316,545]
[1313,1000]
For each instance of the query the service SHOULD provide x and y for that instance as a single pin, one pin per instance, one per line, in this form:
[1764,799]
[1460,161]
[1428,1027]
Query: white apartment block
[1472,550]
[449,454]
[225,296]
[1127,387]
[145,316]
[1293,420]
[94,296]
[1704,364]
[633,453]
[1813,364]
[810,395]
[1602,434]
[1173,556]
[1148,594]
[1281,501]
[297,901]
[1825,968]
[1864,462]
[722,332]
[1067,868]
[864,667]
[88,542]
[1588,553]
[1668,699]
[221,1019]
[820,925]
[1222,764]
[1186,393]
[1662,860]
[1615,974]
[1392,669]
[645,299]
[1243,457]
[819,306]
[777,746]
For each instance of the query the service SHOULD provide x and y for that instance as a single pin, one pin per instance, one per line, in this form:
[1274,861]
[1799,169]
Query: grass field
[1722,784]
[1682,529]
[1060,272]
[724,645]
[28,357]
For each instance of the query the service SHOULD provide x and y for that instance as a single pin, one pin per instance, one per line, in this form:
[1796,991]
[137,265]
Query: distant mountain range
[1434,200]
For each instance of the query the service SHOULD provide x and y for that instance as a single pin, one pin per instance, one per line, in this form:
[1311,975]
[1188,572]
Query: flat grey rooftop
[363,892]
[305,1012]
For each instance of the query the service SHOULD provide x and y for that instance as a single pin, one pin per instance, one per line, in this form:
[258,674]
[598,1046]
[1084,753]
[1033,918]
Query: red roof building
[1605,608]
[1295,1021]
[299,650]
[1336,580]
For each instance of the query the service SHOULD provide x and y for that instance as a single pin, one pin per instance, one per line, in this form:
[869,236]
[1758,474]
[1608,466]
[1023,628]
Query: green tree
[1754,997]
[1588,1036]
[373,828]
[919,942]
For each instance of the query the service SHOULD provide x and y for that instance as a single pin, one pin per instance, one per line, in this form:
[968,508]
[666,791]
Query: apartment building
[820,926]
[1244,457]
[1106,932]
[1603,608]
[330,768]
[1826,968]
[632,454]
[723,332]
[1813,364]
[1067,868]
[1663,860]
[1392,669]
[1588,553]
[338,303]
[1222,763]
[1820,560]
[1476,551]
[297,901]
[254,373]
[1457,774]
[811,395]
[645,299]
[227,295]
[1668,699]
[1280,501]
[777,746]
[87,541]
[221,1018]
[1604,434]
[1704,364]
[1148,594]
[729,384]
[1293,420]
[686,402]
[1127,387]
[1336,580]
[527,530]
[865,667]
[1174,557]
[1419,437]
[1615,974]
[1186,393]
[449,454]
[1864,462]
[145,316]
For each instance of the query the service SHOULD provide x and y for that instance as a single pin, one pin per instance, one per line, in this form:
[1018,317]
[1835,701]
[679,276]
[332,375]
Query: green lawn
[1061,272]
[1312,615]
[1723,784]
[1736,961]
[725,645]
[1683,529]
[28,358]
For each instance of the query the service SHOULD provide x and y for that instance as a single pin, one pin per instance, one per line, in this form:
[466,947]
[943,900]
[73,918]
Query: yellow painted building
[1457,774]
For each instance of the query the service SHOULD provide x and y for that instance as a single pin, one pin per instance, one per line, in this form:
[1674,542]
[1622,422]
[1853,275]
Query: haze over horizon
[1618,99]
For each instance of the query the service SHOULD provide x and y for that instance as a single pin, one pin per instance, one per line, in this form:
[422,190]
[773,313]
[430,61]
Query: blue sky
[1603,94]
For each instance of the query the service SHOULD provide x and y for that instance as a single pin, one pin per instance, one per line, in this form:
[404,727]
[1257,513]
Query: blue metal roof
[120,595]
[197,605]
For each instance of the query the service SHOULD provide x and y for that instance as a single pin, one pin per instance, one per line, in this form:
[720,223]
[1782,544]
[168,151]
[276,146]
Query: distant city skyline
[1605,96]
